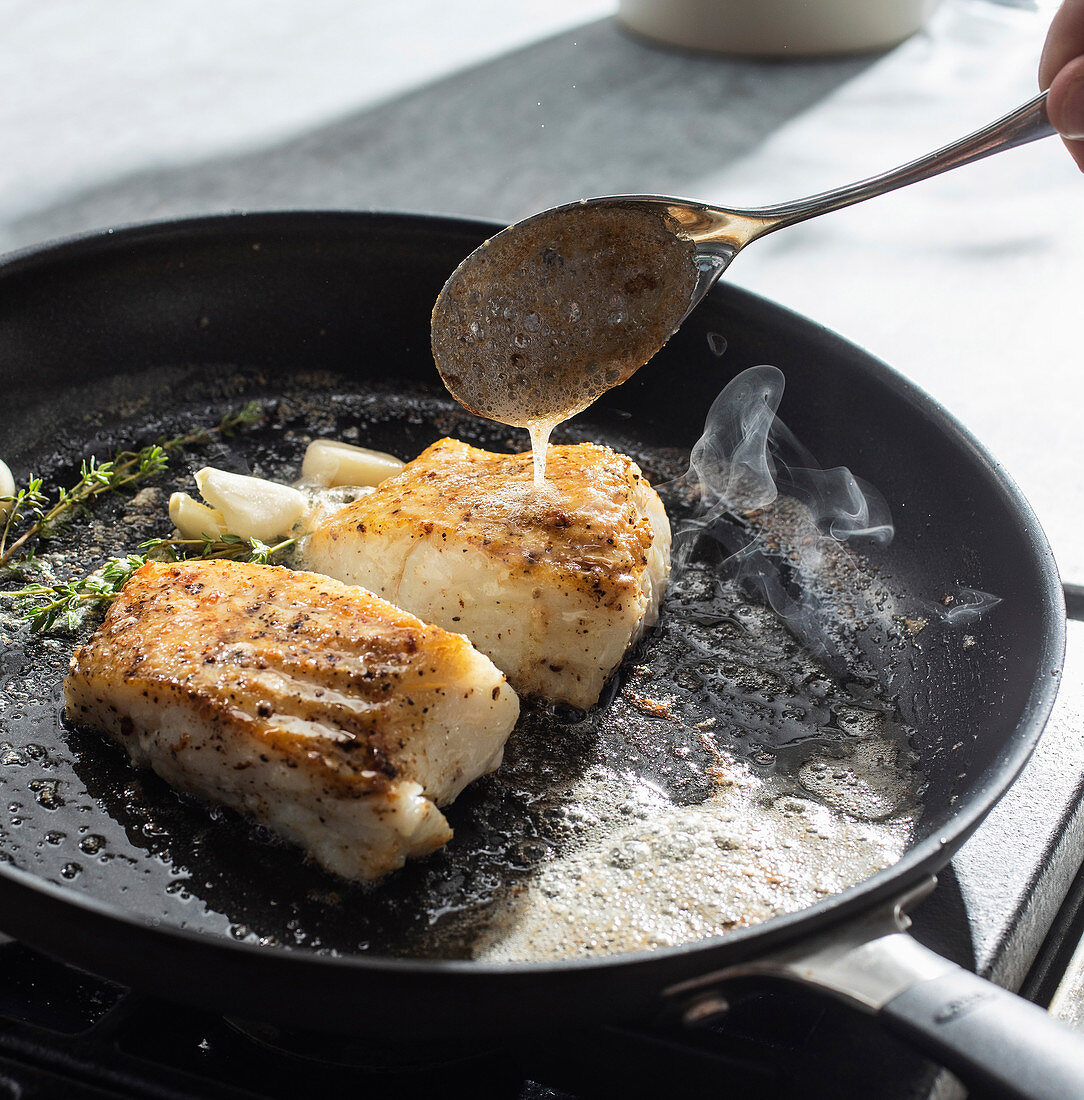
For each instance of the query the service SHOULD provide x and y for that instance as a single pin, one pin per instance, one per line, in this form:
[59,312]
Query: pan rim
[921,859]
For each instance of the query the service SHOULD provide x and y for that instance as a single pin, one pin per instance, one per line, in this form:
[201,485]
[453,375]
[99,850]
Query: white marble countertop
[970,284]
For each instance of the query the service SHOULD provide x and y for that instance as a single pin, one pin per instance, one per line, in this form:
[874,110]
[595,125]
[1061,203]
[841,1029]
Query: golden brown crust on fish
[583,526]
[296,685]
[554,583]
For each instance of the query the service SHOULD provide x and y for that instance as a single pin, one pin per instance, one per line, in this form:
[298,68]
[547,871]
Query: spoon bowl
[547,315]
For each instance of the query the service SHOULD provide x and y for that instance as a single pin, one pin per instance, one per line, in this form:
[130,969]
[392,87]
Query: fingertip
[1064,41]
[1065,101]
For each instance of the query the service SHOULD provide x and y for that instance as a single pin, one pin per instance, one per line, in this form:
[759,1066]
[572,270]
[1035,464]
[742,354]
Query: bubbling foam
[655,874]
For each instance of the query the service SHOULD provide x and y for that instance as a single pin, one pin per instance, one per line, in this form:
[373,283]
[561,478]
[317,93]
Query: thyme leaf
[26,502]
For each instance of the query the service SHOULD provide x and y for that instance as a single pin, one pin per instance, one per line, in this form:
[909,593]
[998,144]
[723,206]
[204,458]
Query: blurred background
[121,111]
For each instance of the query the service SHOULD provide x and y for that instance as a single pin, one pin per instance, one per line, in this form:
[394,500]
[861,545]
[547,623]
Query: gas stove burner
[370,1054]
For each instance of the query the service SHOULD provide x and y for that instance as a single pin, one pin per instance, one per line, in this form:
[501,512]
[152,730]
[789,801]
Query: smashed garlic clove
[7,489]
[195,520]
[329,463]
[251,507]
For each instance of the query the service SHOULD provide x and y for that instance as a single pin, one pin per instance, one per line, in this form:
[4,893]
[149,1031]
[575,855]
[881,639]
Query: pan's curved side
[351,293]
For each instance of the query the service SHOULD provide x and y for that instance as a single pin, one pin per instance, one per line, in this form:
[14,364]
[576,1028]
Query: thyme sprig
[30,500]
[123,470]
[231,547]
[46,606]
[62,605]
[49,604]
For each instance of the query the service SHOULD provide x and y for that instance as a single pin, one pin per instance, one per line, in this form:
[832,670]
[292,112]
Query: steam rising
[748,463]
[747,456]
[785,525]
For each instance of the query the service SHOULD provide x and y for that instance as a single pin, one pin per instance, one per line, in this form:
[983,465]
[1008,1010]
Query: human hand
[1061,69]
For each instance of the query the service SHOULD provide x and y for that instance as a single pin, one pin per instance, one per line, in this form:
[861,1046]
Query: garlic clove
[195,520]
[328,463]
[251,507]
[7,489]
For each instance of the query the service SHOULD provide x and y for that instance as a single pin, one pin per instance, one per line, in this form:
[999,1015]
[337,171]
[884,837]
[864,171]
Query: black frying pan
[106,333]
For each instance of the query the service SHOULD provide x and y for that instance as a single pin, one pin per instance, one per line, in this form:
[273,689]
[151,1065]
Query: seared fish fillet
[335,719]
[554,584]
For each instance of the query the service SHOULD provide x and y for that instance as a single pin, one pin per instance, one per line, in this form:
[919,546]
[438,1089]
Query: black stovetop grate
[65,1033]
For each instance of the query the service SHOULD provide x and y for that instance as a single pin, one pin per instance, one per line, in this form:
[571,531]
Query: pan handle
[989,1037]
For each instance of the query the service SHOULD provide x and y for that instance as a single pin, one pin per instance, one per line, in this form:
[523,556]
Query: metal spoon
[550,313]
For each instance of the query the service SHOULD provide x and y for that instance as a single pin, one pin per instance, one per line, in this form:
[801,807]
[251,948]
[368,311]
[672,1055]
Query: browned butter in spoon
[547,315]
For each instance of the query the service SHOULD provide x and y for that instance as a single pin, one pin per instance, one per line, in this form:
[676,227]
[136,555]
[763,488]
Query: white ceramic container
[776,28]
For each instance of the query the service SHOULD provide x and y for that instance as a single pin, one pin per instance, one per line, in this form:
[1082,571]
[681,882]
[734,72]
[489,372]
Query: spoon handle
[1026,123]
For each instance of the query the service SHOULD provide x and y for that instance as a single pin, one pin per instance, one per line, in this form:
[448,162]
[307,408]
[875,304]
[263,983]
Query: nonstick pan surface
[146,330]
